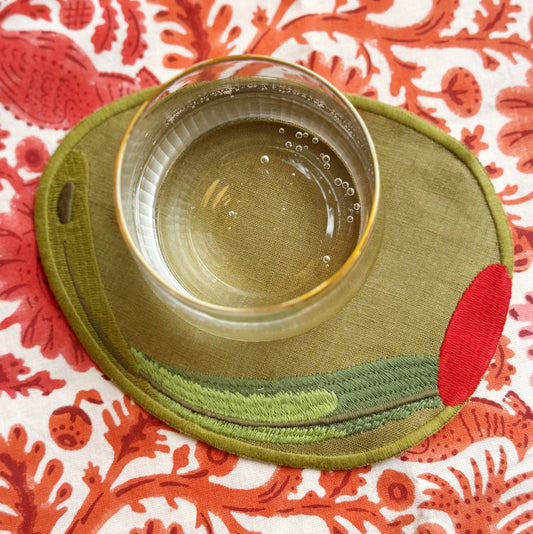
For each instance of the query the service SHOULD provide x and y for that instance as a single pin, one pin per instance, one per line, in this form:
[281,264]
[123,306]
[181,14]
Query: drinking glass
[247,190]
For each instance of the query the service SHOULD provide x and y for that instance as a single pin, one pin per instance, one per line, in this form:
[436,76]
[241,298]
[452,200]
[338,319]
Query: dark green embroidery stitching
[268,408]
[296,410]
[356,388]
[298,435]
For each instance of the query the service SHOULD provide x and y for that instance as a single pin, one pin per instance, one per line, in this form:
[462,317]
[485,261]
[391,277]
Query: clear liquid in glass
[249,202]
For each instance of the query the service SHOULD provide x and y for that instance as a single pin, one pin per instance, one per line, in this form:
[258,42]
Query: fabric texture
[77,455]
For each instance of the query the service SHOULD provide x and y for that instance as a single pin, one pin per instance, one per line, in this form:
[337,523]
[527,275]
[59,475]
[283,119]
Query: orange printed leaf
[495,17]
[105,33]
[193,30]
[348,79]
[480,505]
[15,378]
[480,419]
[473,140]
[500,370]
[516,137]
[33,508]
[22,277]
[27,9]
[134,45]
[136,434]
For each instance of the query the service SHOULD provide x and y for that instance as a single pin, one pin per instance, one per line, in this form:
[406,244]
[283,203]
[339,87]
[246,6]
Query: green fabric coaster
[386,372]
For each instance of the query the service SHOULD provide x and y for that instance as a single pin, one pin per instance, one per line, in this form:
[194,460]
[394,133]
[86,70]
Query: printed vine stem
[383,38]
[138,434]
[195,486]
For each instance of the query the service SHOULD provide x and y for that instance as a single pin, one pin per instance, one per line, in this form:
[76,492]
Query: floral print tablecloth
[76,455]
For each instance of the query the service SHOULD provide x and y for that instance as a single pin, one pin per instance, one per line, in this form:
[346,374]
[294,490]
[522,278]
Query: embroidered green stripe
[278,407]
[368,387]
[299,435]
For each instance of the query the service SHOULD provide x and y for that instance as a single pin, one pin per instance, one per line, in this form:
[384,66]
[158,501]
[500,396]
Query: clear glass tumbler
[247,189]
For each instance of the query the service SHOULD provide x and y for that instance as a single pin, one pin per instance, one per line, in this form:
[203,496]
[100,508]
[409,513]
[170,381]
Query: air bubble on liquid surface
[288,144]
[305,135]
[231,213]
[326,259]
[298,135]
[306,147]
[325,158]
[298,148]
[326,165]
[265,159]
[349,219]
[357,206]
[281,130]
[337,181]
[345,185]
[314,140]
[350,191]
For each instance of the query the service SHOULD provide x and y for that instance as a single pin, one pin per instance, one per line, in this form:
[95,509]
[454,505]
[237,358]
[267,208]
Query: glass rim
[203,305]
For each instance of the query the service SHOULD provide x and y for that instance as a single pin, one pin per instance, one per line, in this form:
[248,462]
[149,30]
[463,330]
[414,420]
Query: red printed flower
[461,92]
[396,490]
[75,14]
[516,137]
[32,154]
[22,278]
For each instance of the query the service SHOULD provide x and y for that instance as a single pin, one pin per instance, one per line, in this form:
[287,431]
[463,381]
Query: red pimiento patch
[473,334]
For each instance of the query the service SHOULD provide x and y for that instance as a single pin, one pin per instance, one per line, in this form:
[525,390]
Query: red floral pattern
[75,14]
[516,137]
[22,278]
[16,380]
[86,456]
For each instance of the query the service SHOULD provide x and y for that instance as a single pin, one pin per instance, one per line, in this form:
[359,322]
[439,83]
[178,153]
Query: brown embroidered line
[332,419]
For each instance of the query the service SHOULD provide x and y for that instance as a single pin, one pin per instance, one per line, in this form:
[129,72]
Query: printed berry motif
[70,426]
[78,457]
